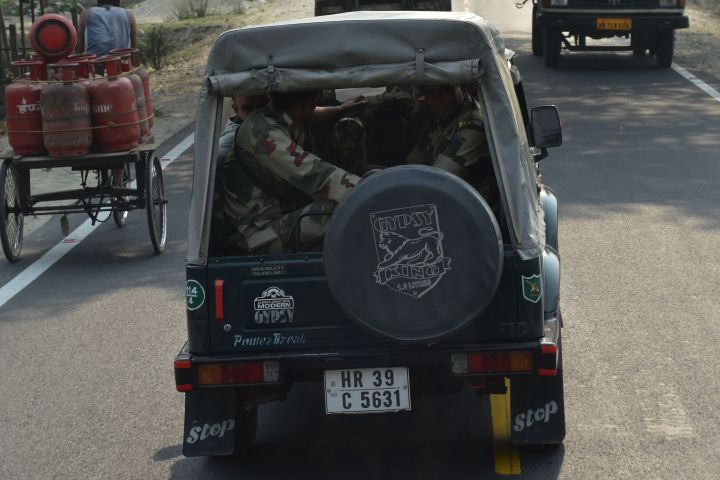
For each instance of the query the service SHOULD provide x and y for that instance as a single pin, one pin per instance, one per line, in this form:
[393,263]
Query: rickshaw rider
[278,179]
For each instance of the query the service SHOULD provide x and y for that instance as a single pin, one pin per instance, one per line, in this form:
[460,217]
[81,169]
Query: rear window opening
[395,126]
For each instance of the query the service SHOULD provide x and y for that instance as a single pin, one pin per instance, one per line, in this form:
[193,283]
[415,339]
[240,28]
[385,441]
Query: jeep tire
[552,44]
[664,47]
[413,254]
[537,35]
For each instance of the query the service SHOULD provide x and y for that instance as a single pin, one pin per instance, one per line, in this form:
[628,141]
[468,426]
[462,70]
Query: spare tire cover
[413,253]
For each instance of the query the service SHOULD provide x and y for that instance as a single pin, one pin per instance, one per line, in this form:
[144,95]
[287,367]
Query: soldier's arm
[467,147]
[302,169]
[349,107]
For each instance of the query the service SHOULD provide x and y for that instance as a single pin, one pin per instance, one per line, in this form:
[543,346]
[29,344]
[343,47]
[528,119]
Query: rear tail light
[183,379]
[548,361]
[210,374]
[219,300]
[492,362]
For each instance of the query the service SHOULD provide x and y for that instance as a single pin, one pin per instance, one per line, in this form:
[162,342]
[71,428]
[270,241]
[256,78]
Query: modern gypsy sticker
[532,288]
[408,243]
[274,306]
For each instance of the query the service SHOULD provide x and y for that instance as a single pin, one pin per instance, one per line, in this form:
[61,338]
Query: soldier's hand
[353,104]
[371,172]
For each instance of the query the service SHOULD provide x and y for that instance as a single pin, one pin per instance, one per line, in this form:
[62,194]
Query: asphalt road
[87,389]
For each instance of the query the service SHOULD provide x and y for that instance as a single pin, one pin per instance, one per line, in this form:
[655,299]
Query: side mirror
[546,128]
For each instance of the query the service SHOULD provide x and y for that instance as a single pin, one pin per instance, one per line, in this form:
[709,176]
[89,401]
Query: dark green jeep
[421,286]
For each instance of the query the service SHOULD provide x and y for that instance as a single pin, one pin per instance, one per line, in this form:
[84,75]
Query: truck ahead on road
[421,286]
[327,7]
[649,24]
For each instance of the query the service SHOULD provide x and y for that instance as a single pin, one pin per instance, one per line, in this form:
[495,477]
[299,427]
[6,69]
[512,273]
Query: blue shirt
[106,28]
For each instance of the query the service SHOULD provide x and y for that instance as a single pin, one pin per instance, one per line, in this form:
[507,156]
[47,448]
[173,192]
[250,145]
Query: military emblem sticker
[408,243]
[532,288]
[194,295]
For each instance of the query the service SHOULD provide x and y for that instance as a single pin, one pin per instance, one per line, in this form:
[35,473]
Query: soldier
[275,179]
[242,106]
[457,143]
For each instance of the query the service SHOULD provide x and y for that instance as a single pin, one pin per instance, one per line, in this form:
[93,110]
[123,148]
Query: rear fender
[551,281]
[209,422]
[550,205]
[537,410]
[537,406]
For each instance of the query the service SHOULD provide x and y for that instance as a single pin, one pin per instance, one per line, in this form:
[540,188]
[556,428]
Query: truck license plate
[367,390]
[613,23]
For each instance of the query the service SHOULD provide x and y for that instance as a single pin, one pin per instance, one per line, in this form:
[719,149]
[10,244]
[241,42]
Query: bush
[185,9]
[154,47]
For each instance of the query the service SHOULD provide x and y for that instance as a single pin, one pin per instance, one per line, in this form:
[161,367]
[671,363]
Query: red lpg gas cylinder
[53,36]
[139,94]
[66,117]
[114,108]
[22,105]
[84,60]
[144,76]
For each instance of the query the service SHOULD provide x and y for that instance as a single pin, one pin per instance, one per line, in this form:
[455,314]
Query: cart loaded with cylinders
[92,115]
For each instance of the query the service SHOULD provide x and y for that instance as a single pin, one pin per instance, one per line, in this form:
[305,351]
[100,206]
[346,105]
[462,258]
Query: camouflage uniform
[270,180]
[460,146]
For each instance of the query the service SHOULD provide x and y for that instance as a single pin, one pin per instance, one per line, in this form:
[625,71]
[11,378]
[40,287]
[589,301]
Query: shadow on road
[443,437]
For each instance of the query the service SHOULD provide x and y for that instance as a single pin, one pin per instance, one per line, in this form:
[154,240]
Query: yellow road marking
[507,460]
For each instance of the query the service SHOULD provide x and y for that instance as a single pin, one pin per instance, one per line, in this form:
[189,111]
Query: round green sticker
[194,295]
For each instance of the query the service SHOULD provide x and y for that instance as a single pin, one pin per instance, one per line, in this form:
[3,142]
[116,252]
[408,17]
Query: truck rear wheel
[552,43]
[664,47]
[537,35]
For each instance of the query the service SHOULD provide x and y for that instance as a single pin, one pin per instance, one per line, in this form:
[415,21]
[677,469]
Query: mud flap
[209,422]
[537,410]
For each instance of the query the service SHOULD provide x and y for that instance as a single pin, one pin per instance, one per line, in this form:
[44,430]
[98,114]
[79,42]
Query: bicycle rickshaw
[141,187]
[93,115]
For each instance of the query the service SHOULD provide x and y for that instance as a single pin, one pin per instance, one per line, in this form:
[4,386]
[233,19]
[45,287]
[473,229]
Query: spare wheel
[413,253]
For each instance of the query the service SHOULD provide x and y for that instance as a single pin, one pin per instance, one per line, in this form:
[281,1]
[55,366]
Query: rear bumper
[586,23]
[427,365]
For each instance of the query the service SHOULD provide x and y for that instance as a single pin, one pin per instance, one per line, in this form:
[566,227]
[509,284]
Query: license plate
[367,390]
[613,23]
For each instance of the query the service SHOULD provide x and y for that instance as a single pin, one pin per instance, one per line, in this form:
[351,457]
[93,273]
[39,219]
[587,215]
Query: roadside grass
[187,37]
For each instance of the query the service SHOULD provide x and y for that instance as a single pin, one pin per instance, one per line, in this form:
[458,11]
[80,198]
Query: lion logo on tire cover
[408,243]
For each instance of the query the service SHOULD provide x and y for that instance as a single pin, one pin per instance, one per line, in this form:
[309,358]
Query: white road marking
[697,82]
[664,414]
[39,266]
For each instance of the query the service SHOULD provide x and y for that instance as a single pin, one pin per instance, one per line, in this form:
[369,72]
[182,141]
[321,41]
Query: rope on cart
[97,127]
[77,80]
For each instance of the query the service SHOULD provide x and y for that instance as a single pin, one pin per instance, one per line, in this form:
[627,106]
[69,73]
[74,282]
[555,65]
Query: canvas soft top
[370,49]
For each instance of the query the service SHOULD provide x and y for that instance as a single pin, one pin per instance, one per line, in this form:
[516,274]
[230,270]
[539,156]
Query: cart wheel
[11,216]
[120,216]
[155,204]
